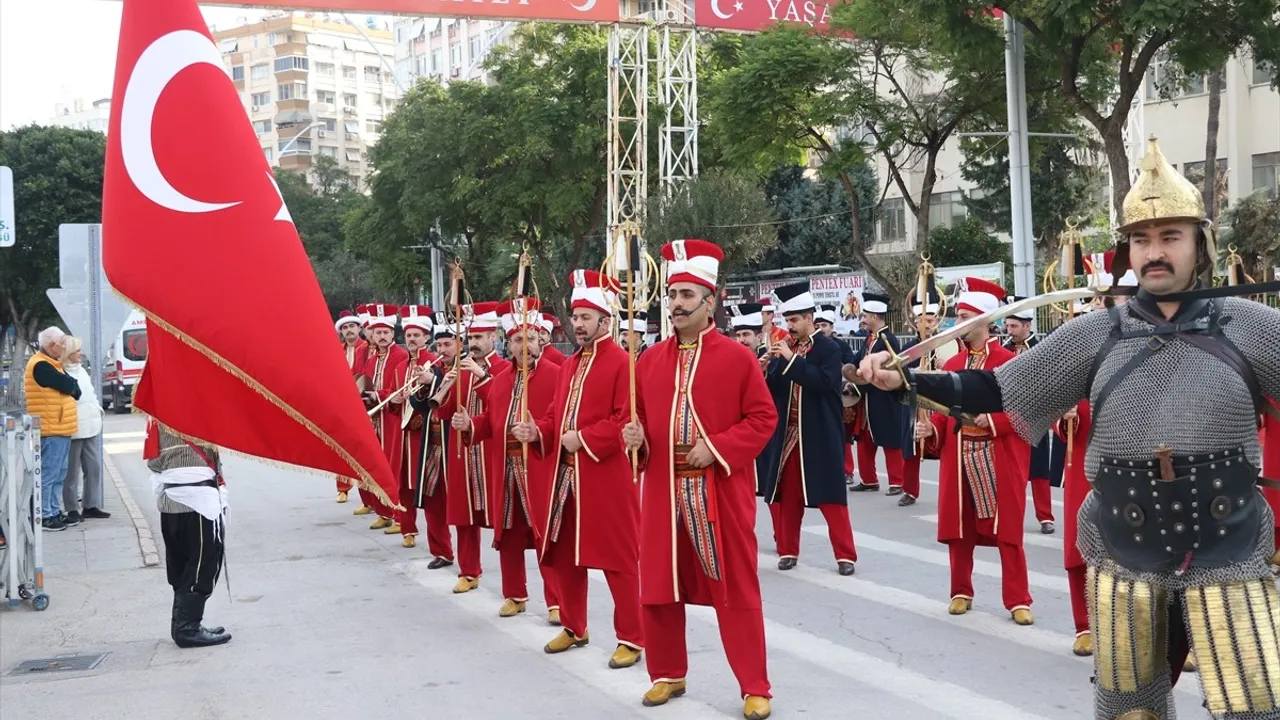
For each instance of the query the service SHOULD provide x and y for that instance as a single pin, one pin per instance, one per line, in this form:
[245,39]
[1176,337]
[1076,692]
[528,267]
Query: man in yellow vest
[52,395]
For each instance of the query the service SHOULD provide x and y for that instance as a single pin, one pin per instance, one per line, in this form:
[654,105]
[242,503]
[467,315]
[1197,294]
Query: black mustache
[682,313]
[1157,264]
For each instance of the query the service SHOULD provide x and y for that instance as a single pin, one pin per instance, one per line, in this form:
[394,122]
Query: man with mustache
[430,488]
[466,474]
[747,323]
[355,348]
[593,515]
[882,416]
[1047,454]
[380,368]
[705,415]
[802,463]
[416,323]
[1175,533]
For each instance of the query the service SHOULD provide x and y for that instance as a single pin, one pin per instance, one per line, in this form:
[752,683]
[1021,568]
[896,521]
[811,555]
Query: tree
[1104,48]
[815,226]
[1254,230]
[966,243]
[57,178]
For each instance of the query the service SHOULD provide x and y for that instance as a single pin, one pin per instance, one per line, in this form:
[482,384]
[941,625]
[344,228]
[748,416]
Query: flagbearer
[467,476]
[1047,454]
[518,492]
[380,369]
[705,416]
[803,464]
[429,489]
[982,488]
[748,324]
[594,510]
[882,415]
[417,324]
[355,348]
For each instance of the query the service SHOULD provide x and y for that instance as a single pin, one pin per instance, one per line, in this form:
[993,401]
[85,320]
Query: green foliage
[967,243]
[818,228]
[57,178]
[726,208]
[1254,229]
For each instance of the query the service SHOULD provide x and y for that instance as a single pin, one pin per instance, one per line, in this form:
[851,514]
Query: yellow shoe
[342,497]
[466,584]
[624,657]
[362,510]
[392,529]
[511,608]
[756,708]
[553,616]
[380,523]
[960,605]
[1190,664]
[1023,616]
[408,541]
[1083,646]
[661,692]
[565,641]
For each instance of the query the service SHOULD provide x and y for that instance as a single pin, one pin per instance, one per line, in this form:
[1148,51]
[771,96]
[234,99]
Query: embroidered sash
[514,470]
[475,455]
[977,459]
[429,474]
[691,483]
[566,473]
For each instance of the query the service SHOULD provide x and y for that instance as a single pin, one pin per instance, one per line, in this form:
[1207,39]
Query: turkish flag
[196,234]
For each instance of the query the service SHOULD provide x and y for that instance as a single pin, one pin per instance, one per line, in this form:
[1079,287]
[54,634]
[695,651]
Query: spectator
[84,444]
[51,395]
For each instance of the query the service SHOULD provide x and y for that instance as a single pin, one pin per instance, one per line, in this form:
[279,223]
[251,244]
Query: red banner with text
[558,10]
[756,15]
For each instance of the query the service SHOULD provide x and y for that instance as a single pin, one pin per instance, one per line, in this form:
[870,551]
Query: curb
[146,541]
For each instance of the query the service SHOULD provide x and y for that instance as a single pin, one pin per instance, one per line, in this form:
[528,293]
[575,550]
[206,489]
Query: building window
[375,100]
[237,72]
[477,48]
[1263,73]
[262,126]
[324,69]
[1194,171]
[1164,82]
[351,128]
[326,96]
[301,146]
[348,72]
[330,124]
[437,61]
[272,39]
[1266,173]
[329,151]
[893,220]
[268,153]
[372,74]
[353,156]
[260,71]
[946,209]
[373,126]
[389,103]
[291,91]
[455,55]
[349,99]
[292,62]
[260,99]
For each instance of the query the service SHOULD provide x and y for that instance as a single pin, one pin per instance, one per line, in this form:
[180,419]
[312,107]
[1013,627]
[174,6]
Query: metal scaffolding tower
[677,94]
[628,123]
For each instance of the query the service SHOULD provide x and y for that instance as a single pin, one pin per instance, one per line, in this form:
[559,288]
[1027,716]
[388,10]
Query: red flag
[197,235]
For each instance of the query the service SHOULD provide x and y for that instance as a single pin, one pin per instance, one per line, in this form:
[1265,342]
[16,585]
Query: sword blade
[942,337]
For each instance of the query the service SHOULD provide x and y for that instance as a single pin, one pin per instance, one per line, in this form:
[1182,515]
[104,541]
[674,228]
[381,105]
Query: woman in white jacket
[84,444]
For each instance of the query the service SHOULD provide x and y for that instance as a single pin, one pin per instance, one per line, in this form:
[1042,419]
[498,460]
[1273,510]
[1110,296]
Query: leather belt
[515,448]
[683,468]
[566,457]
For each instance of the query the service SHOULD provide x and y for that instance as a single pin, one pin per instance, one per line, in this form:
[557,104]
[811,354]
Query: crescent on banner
[156,67]
[715,8]
[584,8]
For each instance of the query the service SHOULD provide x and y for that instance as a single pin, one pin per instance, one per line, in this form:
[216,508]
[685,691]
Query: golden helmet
[1161,194]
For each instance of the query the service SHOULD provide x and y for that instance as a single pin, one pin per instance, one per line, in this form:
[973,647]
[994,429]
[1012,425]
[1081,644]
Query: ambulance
[124,363]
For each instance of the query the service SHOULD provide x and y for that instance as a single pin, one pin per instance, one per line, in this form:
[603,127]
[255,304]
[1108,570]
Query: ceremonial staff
[1069,263]
[926,288]
[459,298]
[528,302]
[635,273]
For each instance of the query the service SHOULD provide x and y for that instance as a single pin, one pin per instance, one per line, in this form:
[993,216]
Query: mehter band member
[747,324]
[1046,454]
[925,315]
[417,324]
[380,368]
[883,415]
[355,349]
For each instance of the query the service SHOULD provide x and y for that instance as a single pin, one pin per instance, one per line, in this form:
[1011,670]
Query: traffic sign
[8,232]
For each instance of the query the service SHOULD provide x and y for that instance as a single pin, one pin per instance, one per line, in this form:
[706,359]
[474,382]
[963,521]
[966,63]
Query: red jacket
[465,463]
[1075,486]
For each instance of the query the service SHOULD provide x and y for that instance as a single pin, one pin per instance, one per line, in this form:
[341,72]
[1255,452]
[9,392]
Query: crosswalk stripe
[120,448]
[1056,502]
[1053,542]
[123,435]
[588,664]
[1056,583]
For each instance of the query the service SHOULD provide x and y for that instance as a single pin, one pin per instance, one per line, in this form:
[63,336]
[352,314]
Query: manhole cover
[66,663]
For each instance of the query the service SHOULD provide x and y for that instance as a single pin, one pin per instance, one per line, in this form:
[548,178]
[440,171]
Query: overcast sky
[54,51]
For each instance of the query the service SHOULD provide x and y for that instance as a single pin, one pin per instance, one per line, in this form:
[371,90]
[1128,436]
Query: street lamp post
[294,141]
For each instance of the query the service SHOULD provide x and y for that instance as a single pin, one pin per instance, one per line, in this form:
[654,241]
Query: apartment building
[312,86]
[82,115]
[1248,150]
[446,49]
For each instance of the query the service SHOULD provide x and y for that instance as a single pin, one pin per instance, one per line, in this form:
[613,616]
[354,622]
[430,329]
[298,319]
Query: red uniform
[414,426]
[1075,488]
[551,354]
[698,541]
[593,510]
[1271,461]
[356,355]
[382,369]
[466,479]
[517,495]
[982,489]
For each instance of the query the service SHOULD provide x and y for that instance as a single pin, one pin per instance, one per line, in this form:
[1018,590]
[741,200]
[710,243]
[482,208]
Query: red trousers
[775,515]
[867,462]
[344,485]
[790,499]
[1042,498]
[1079,607]
[511,549]
[571,587]
[368,499]
[741,633]
[848,459]
[438,541]
[1013,562]
[911,476]
[468,550]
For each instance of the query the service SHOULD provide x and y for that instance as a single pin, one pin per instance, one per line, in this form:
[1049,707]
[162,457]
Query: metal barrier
[22,558]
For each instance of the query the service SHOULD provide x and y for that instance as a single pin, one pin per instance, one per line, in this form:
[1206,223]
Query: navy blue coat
[1048,456]
[821,445]
[884,412]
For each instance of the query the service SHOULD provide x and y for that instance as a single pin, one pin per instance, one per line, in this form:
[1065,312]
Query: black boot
[187,631]
[212,631]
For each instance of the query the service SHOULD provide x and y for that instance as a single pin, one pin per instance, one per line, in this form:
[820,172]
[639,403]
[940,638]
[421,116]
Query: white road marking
[1032,537]
[1056,503]
[123,435]
[120,448]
